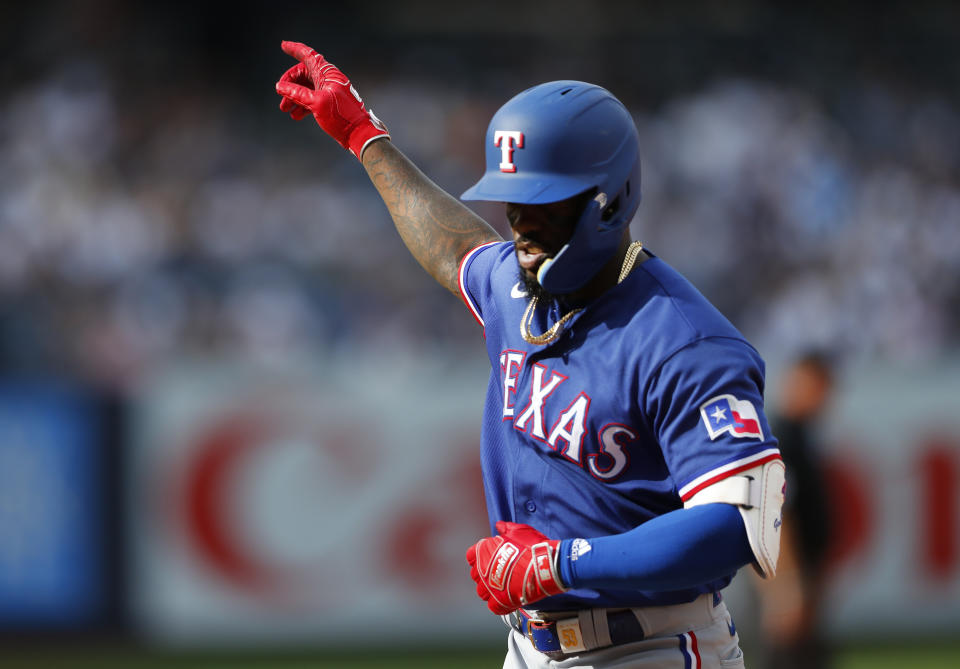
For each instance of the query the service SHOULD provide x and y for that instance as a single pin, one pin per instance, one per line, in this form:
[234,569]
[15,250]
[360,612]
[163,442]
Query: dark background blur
[801,167]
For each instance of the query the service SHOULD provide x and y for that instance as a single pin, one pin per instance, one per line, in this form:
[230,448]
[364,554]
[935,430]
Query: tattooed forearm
[436,227]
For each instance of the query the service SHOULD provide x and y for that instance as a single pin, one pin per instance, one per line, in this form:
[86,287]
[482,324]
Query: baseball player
[629,469]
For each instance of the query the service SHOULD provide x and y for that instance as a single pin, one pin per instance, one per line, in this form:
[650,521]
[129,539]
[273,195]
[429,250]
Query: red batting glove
[514,569]
[314,86]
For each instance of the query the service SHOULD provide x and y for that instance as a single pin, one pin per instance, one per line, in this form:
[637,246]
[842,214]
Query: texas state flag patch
[725,413]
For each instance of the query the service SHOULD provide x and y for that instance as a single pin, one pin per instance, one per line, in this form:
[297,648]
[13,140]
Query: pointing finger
[298,50]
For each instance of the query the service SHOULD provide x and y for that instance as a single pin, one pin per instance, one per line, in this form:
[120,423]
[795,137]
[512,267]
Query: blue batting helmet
[557,140]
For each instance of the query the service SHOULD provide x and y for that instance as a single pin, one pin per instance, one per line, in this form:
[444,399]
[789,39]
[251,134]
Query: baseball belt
[561,634]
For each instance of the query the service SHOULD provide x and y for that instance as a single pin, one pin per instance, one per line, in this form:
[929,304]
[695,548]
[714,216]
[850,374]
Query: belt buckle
[549,626]
[538,624]
[540,631]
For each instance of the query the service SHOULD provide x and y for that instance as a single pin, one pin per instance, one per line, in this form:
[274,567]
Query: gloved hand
[516,568]
[314,86]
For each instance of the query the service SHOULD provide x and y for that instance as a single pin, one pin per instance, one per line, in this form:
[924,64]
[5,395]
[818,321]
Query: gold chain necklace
[550,335]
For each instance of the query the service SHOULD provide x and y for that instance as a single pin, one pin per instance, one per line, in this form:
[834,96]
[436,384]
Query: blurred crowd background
[800,165]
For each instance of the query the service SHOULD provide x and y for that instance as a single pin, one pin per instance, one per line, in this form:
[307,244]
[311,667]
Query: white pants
[697,635]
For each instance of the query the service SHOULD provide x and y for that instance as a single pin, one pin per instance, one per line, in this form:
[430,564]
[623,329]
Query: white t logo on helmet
[507,140]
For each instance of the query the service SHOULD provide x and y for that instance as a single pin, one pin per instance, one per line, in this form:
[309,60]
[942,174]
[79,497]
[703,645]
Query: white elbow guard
[758,493]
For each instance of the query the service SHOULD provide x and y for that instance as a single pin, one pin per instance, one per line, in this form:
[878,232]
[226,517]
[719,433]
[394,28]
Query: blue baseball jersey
[648,396]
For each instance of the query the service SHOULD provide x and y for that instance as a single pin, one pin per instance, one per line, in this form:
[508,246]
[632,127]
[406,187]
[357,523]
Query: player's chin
[528,276]
[532,286]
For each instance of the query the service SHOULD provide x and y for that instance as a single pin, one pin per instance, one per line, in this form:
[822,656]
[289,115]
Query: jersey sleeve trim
[462,280]
[729,469]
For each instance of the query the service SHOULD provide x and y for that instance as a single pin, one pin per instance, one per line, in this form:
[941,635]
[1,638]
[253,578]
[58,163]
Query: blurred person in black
[792,603]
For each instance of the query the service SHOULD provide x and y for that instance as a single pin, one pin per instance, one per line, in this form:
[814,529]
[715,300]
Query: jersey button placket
[530,506]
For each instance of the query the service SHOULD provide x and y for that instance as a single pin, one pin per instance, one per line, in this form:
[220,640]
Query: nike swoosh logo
[517,292]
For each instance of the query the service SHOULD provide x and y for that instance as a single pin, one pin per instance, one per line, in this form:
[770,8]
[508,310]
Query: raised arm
[437,229]
[434,225]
